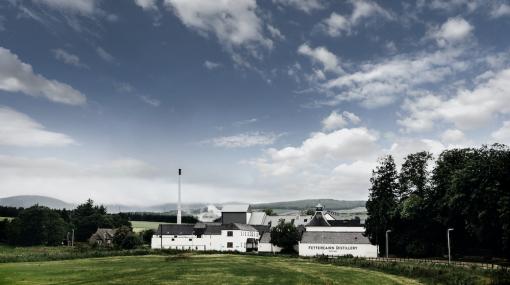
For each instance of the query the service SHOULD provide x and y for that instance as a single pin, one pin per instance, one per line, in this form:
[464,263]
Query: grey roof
[261,228]
[318,220]
[237,208]
[334,238]
[265,238]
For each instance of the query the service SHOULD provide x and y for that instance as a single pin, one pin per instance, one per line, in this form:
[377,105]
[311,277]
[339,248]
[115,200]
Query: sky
[256,101]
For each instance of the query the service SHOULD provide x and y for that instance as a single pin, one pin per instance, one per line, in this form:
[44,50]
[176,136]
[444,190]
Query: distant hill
[329,204]
[26,201]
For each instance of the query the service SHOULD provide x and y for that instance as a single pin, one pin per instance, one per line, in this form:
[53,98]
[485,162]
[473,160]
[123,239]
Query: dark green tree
[147,236]
[382,201]
[285,235]
[269,212]
[37,225]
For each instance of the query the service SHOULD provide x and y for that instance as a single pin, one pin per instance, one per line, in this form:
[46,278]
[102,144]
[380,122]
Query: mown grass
[192,269]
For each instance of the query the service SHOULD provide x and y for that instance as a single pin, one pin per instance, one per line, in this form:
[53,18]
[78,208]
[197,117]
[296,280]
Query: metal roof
[318,220]
[236,208]
[175,229]
[257,218]
[334,238]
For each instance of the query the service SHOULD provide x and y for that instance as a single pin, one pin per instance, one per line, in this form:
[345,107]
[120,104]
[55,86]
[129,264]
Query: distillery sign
[332,247]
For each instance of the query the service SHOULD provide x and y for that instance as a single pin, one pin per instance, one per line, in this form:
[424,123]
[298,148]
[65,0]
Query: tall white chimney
[179,200]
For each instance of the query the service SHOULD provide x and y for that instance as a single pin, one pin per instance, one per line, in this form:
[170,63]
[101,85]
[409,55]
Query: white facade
[359,250]
[228,240]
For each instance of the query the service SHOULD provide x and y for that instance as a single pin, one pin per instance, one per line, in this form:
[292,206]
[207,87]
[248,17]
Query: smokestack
[179,200]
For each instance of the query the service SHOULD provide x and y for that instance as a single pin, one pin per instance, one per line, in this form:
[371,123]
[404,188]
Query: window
[190,239]
[230,233]
[306,220]
[230,244]
[173,239]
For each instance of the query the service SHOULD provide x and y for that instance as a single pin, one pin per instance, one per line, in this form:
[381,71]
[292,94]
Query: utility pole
[387,243]
[448,239]
[179,199]
[161,235]
[72,239]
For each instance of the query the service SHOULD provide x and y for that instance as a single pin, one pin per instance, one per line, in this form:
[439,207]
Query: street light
[448,238]
[387,232]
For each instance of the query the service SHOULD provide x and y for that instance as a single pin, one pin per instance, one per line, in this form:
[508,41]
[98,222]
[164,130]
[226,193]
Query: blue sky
[255,100]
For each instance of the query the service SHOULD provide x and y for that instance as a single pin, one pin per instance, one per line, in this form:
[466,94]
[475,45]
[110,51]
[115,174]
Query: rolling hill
[26,201]
[330,204]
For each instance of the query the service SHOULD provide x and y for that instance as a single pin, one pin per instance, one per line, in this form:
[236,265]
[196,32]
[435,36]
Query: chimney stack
[179,200]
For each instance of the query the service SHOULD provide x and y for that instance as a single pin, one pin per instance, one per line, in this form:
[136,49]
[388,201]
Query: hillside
[330,204]
[26,201]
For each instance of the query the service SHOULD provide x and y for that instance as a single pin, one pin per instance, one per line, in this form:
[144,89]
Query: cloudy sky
[255,100]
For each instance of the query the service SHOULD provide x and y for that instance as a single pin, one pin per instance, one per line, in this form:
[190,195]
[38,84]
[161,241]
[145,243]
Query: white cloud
[453,136]
[84,7]
[211,65]
[500,10]
[243,140]
[147,4]
[303,5]
[18,129]
[337,121]
[502,135]
[151,101]
[17,76]
[106,56]
[343,144]
[322,55]
[234,22]
[468,109]
[275,33]
[337,24]
[245,122]
[452,31]
[68,58]
[378,84]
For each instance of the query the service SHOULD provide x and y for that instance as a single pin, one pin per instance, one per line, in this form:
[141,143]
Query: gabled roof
[257,218]
[318,220]
[334,238]
[236,208]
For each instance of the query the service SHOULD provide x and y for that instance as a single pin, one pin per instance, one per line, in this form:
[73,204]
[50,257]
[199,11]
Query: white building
[206,236]
[326,236]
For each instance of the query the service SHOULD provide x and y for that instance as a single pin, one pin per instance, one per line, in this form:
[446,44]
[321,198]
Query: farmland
[139,226]
[191,269]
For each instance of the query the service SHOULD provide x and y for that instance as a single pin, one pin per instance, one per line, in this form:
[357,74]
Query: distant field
[139,226]
[195,269]
[6,218]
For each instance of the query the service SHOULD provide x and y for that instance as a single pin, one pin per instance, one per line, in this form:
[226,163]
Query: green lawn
[6,218]
[139,226]
[194,269]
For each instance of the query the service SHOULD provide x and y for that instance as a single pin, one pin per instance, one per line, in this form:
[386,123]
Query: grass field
[139,226]
[193,269]
[6,218]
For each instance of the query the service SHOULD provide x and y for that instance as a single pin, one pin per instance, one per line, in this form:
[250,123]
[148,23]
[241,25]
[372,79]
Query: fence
[439,262]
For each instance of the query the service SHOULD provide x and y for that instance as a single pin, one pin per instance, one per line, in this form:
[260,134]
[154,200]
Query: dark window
[230,233]
[172,239]
[199,236]
[230,244]
[175,236]
[190,239]
[306,220]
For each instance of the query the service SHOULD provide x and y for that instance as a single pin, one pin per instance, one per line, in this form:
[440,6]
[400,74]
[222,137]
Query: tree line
[39,225]
[157,217]
[467,190]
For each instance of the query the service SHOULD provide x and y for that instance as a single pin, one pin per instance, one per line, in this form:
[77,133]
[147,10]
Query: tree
[382,201]
[269,212]
[37,225]
[414,175]
[285,235]
[87,218]
[147,236]
[125,238]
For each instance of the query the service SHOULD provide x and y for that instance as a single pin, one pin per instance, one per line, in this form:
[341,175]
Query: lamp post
[387,243]
[448,238]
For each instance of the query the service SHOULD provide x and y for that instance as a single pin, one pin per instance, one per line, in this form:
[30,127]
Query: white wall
[336,229]
[268,247]
[360,250]
[206,242]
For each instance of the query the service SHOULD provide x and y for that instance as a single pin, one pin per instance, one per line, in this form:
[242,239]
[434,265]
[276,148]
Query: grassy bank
[428,273]
[192,269]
